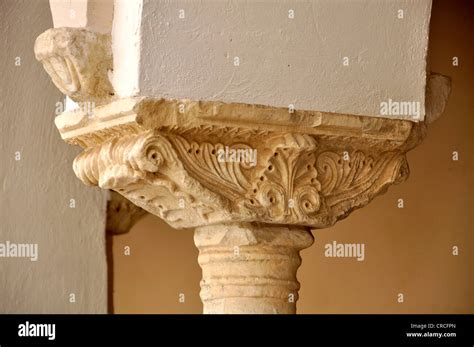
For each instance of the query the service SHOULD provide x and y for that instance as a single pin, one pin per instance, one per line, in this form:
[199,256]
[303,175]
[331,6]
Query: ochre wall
[407,250]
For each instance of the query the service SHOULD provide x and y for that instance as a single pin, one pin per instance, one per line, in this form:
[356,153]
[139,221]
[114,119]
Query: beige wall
[408,250]
[36,190]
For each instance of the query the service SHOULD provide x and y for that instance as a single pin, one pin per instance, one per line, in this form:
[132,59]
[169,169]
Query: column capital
[197,163]
[249,176]
[202,163]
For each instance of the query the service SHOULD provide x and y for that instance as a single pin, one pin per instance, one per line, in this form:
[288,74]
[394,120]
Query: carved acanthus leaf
[295,179]
[285,185]
[205,161]
[351,179]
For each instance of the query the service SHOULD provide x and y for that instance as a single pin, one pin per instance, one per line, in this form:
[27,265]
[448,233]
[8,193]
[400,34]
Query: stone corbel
[302,170]
[78,61]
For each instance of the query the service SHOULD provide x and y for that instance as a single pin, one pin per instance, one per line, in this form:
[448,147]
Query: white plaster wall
[36,190]
[286,61]
[126,38]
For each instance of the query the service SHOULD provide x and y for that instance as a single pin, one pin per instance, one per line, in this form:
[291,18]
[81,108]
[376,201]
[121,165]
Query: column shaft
[250,268]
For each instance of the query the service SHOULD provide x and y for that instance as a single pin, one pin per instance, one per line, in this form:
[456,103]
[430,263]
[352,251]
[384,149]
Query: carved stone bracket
[78,62]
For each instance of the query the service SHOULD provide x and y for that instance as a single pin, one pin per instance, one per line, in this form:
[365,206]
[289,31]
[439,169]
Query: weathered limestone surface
[296,170]
[78,62]
[250,268]
[302,175]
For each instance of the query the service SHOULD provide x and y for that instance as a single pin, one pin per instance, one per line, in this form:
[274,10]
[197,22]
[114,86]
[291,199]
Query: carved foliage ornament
[295,179]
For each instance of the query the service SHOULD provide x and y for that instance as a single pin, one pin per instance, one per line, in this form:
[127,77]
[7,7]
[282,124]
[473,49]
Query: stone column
[250,268]
[250,179]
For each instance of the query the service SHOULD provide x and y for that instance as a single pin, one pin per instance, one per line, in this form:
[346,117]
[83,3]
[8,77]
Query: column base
[250,268]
